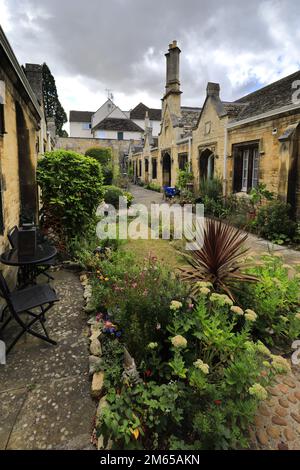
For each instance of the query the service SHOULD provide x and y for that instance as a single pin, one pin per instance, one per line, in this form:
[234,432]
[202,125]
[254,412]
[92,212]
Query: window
[154,168]
[120,135]
[100,134]
[140,167]
[146,166]
[246,167]
[86,126]
[207,128]
[182,161]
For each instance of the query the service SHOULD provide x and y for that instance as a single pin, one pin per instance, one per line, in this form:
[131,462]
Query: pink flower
[134,285]
[191,306]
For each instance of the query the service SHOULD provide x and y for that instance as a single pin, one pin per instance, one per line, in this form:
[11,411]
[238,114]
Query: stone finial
[213,89]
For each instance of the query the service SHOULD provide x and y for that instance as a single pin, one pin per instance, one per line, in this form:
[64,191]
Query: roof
[81,116]
[10,55]
[189,119]
[139,112]
[114,124]
[269,98]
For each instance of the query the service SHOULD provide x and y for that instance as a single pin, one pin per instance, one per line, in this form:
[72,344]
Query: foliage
[53,107]
[273,222]
[219,260]
[153,187]
[137,297]
[218,377]
[260,194]
[184,177]
[113,193]
[211,188]
[276,300]
[71,187]
[103,155]
[211,195]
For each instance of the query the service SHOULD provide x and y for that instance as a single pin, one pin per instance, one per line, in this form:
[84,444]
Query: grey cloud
[106,42]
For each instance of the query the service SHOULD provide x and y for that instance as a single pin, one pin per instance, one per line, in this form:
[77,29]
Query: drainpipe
[225,161]
[190,153]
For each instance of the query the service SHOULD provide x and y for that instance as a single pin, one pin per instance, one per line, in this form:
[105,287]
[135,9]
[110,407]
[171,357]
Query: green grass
[164,250]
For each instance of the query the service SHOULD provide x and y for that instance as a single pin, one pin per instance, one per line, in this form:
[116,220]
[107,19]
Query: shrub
[219,260]
[273,222]
[153,187]
[137,298]
[113,193]
[72,189]
[211,188]
[101,154]
[214,378]
[275,298]
[184,177]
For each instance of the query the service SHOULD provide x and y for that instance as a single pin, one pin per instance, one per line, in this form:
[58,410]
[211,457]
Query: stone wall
[81,145]
[9,158]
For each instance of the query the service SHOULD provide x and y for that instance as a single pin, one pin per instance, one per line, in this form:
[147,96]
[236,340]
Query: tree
[53,107]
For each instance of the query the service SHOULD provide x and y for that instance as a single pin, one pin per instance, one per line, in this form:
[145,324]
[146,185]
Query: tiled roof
[188,120]
[269,98]
[139,112]
[114,124]
[81,116]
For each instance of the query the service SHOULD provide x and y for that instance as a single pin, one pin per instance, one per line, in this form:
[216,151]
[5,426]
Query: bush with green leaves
[101,154]
[214,377]
[153,187]
[275,298]
[184,177]
[72,189]
[104,157]
[273,222]
[137,297]
[113,193]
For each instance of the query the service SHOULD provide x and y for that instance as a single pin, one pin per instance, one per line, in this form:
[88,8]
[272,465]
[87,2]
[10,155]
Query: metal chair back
[13,237]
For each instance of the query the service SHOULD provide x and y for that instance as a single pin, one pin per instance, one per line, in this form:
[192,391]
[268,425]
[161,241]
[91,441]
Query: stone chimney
[147,121]
[173,71]
[51,128]
[213,89]
[34,74]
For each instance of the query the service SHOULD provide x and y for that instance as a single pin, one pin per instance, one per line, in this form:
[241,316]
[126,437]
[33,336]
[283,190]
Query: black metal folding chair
[38,269]
[22,302]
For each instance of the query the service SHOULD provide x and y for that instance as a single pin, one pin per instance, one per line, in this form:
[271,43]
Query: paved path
[256,245]
[44,390]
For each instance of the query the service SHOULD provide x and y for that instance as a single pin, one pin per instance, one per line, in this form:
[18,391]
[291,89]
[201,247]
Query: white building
[110,122]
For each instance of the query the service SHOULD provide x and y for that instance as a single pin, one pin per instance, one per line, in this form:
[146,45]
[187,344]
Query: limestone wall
[9,158]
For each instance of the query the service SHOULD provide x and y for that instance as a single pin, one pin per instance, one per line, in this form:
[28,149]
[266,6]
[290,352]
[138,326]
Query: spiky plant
[219,260]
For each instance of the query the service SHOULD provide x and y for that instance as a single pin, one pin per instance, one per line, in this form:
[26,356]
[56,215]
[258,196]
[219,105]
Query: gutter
[225,160]
[275,112]
[17,68]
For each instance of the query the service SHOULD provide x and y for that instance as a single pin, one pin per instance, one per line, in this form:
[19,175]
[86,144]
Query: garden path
[256,245]
[45,398]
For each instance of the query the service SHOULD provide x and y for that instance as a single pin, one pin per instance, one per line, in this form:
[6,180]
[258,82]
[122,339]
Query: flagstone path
[45,398]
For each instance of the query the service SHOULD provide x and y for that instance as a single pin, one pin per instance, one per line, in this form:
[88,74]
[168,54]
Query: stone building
[23,135]
[252,140]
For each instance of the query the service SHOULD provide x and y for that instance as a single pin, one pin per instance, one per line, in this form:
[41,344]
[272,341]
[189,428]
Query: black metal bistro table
[44,252]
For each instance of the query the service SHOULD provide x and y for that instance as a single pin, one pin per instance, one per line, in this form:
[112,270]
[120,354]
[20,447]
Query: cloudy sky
[94,45]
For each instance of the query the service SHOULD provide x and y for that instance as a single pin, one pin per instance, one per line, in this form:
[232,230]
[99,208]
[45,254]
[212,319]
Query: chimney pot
[213,89]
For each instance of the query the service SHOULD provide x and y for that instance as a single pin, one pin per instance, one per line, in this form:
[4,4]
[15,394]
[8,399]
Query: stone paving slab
[52,415]
[45,389]
[10,406]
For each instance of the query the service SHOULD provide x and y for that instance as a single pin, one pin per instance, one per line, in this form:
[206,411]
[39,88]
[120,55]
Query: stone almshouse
[252,140]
